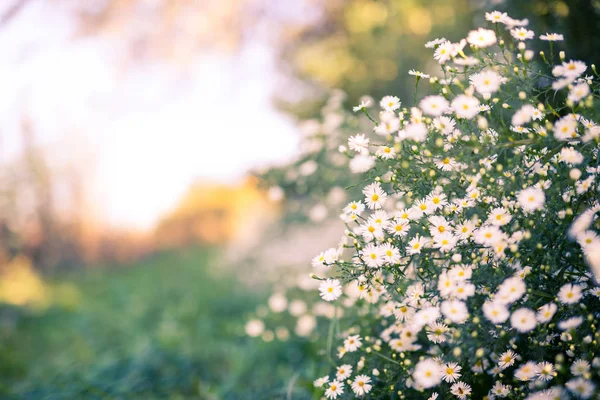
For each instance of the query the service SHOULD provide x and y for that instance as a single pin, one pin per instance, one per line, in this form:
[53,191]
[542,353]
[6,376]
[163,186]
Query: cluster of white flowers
[469,266]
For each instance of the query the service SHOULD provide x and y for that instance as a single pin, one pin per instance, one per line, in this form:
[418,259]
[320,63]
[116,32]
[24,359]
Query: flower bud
[482,123]
[529,55]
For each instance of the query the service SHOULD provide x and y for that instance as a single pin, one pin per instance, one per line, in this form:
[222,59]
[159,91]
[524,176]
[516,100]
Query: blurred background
[167,165]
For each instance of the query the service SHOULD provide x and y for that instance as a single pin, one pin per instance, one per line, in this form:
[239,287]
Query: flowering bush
[463,270]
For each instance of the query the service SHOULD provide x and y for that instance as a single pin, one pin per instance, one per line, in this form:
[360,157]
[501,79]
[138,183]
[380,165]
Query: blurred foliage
[212,213]
[368,46]
[320,173]
[578,20]
[170,327]
[20,284]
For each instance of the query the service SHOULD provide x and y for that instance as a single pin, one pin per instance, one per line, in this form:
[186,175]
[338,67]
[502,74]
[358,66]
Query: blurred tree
[367,47]
[211,214]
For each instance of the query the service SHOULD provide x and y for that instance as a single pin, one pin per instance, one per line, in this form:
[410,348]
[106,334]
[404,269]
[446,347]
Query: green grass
[170,327]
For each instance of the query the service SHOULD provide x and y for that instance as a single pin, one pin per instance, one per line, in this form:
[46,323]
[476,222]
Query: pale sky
[145,136]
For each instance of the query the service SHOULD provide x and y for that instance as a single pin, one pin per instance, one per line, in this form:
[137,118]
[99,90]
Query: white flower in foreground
[546,312]
[343,372]
[570,294]
[330,289]
[521,34]
[481,37]
[460,390]
[417,132]
[531,199]
[388,125]
[390,103]
[416,244]
[580,367]
[523,320]
[579,92]
[565,128]
[375,197]
[486,82]
[428,373]
[507,359]
[581,387]
[451,372]
[434,105]
[419,74]
[523,115]
[499,216]
[545,371]
[552,37]
[352,343]
[361,385]
[437,332]
[363,104]
[495,312]
[511,290]
[592,257]
[358,142]
[488,235]
[372,255]
[386,152]
[334,390]
[362,163]
[501,390]
[455,310]
[321,381]
[511,22]
[570,156]
[354,207]
[432,43]
[444,124]
[496,17]
[571,69]
[526,372]
[444,242]
[554,393]
[465,106]
[570,323]
[444,52]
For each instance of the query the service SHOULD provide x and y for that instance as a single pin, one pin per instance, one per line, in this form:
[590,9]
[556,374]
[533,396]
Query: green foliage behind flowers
[469,266]
[320,173]
[168,327]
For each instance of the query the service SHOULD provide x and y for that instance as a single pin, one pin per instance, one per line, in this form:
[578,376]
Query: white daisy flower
[428,373]
[522,34]
[334,390]
[361,385]
[465,106]
[390,103]
[481,37]
[523,320]
[330,289]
